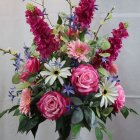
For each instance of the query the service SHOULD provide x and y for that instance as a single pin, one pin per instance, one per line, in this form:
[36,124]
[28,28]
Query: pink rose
[85,79]
[120,101]
[23,76]
[25,101]
[32,65]
[52,105]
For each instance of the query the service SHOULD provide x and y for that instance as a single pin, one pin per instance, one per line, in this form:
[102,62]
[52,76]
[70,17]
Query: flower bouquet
[68,74]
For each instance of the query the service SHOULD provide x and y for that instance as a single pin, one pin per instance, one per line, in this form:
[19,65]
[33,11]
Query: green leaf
[23,85]
[82,36]
[33,48]
[13,108]
[89,116]
[98,133]
[16,79]
[59,21]
[17,112]
[3,113]
[106,112]
[98,112]
[133,111]
[59,123]
[76,101]
[31,78]
[34,131]
[75,128]
[26,124]
[104,54]
[103,71]
[77,116]
[109,134]
[103,43]
[125,112]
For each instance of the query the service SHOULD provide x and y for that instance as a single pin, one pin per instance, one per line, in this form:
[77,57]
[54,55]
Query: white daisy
[108,91]
[55,71]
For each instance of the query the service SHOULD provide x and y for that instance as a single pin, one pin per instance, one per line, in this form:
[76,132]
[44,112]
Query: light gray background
[14,32]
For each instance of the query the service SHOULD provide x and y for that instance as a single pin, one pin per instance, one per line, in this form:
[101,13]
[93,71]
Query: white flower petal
[52,80]
[102,101]
[45,73]
[47,79]
[48,67]
[60,80]
[106,102]
[62,63]
[111,99]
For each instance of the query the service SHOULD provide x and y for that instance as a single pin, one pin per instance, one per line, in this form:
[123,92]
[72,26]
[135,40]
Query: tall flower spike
[43,36]
[84,13]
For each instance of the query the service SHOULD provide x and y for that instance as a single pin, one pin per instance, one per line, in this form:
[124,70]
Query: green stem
[104,20]
[8,52]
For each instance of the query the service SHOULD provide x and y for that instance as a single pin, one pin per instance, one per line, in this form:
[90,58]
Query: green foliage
[59,21]
[16,79]
[103,43]
[98,133]
[106,112]
[89,116]
[108,133]
[103,72]
[8,110]
[125,112]
[26,123]
[31,78]
[76,101]
[23,85]
[75,128]
[77,116]
[104,54]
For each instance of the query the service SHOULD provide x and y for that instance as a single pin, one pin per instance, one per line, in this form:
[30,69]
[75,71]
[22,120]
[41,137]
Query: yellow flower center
[79,50]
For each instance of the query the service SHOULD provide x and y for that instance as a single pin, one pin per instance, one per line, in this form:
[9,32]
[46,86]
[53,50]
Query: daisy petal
[60,80]
[102,101]
[52,80]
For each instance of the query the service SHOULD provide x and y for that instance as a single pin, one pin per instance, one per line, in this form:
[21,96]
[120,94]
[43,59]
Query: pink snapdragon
[43,36]
[84,13]
[85,79]
[78,50]
[116,44]
[25,101]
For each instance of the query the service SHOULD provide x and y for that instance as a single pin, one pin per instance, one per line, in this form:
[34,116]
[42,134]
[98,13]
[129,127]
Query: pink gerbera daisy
[78,50]
[25,101]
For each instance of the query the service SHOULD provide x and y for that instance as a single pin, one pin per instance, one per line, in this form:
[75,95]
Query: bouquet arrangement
[68,75]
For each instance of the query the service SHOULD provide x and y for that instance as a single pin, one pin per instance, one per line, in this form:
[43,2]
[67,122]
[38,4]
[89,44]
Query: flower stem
[47,16]
[71,7]
[104,20]
[9,52]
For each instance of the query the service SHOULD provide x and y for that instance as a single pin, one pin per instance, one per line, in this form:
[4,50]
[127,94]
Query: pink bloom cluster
[52,105]
[32,66]
[25,101]
[78,50]
[85,79]
[84,13]
[43,35]
[120,102]
[116,45]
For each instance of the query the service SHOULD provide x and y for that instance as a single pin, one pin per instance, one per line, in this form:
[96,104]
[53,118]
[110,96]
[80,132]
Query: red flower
[84,13]
[43,35]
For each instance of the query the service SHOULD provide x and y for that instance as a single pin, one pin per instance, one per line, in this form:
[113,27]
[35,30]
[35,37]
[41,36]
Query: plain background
[14,32]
